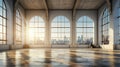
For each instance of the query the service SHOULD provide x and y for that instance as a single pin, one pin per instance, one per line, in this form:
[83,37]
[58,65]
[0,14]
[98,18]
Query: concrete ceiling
[32,4]
[90,4]
[61,4]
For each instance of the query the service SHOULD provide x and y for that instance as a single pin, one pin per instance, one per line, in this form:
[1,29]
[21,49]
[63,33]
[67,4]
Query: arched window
[18,27]
[37,31]
[84,30]
[60,31]
[3,22]
[105,26]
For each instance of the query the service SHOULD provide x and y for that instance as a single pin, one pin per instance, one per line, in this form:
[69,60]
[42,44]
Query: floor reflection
[60,58]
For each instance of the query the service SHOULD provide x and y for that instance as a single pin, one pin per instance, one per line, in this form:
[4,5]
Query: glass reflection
[11,58]
[60,58]
[3,59]
[73,58]
[24,58]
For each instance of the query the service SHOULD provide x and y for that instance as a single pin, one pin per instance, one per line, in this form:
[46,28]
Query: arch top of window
[61,18]
[37,18]
[85,18]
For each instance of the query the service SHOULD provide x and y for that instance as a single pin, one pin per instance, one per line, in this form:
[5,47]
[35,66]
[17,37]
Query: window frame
[84,20]
[61,35]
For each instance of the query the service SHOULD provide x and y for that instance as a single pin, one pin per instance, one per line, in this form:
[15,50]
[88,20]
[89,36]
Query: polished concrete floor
[60,58]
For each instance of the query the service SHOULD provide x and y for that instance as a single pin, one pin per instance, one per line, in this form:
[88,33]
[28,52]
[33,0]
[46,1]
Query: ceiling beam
[109,5]
[46,8]
[76,3]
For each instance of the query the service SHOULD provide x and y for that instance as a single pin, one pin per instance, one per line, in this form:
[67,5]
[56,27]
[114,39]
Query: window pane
[67,30]
[41,24]
[79,24]
[79,30]
[90,24]
[90,30]
[41,30]
[31,24]
[54,35]
[67,24]
[54,24]
[4,13]
[4,22]
[4,30]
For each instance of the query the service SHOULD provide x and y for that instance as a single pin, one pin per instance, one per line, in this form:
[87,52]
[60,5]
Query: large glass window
[84,31]
[37,31]
[18,28]
[60,31]
[105,26]
[3,22]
